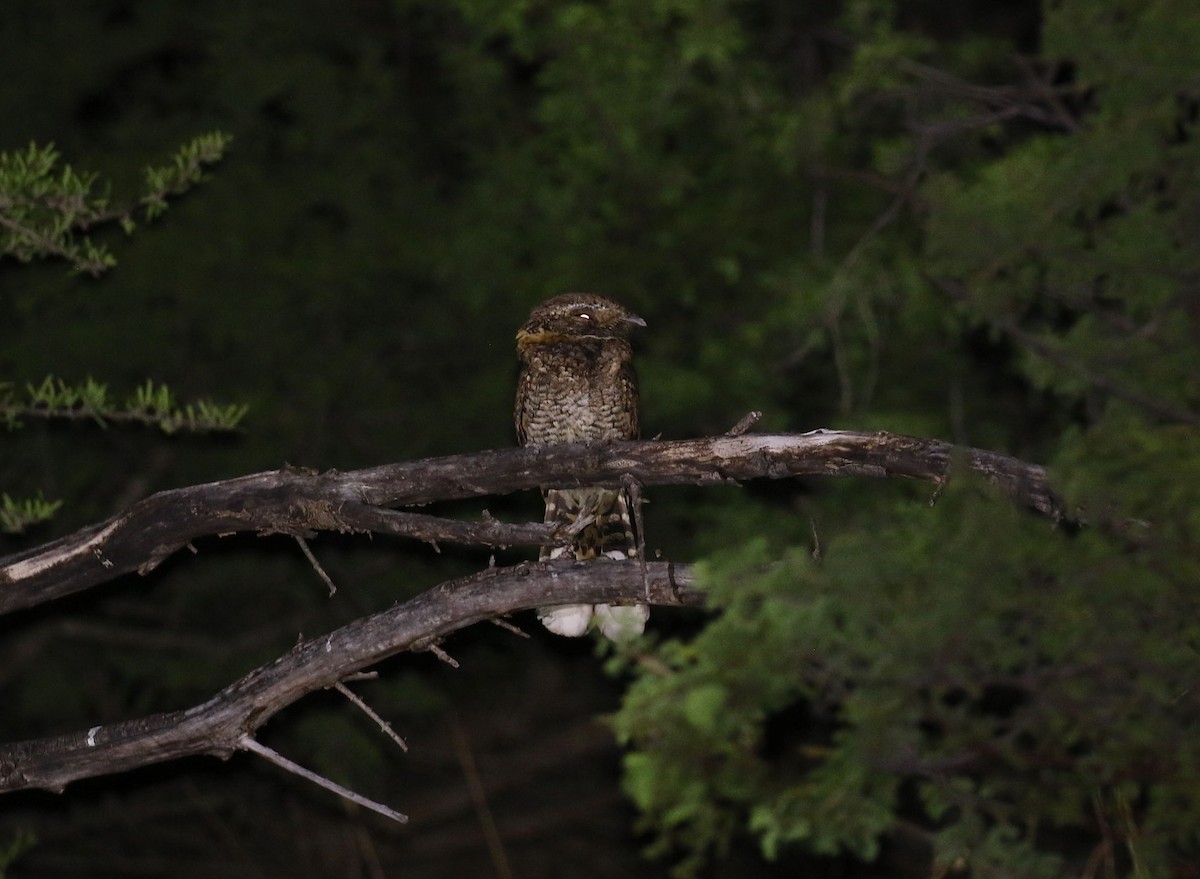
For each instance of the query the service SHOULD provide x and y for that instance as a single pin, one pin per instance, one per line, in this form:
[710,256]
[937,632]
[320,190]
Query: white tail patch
[568,620]
[621,622]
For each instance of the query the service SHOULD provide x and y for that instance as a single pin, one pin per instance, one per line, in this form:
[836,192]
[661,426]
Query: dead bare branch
[249,744]
[366,709]
[312,560]
[220,726]
[300,503]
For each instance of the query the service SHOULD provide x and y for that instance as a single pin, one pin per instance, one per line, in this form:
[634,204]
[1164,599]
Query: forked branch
[300,503]
[222,725]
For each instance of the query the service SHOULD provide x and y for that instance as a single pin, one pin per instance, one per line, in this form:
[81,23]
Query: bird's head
[577,316]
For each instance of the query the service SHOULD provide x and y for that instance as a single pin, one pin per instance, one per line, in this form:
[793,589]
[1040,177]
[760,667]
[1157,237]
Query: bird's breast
[576,393]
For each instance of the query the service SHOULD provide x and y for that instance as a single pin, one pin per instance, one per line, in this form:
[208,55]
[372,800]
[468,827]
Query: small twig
[816,540]
[1048,94]
[675,590]
[249,744]
[634,489]
[487,822]
[443,655]
[567,532]
[505,624]
[370,712]
[312,560]
[744,424]
[370,854]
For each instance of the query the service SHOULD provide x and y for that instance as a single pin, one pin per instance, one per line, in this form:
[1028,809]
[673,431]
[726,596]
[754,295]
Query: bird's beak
[631,318]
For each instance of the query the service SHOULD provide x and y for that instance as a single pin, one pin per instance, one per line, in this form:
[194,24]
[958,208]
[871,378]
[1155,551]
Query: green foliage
[47,210]
[55,399]
[1079,246]
[41,208]
[22,841]
[18,515]
[965,650]
[1019,680]
[149,405]
[185,171]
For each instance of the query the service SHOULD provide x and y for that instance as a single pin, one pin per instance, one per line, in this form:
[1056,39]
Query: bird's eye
[584,315]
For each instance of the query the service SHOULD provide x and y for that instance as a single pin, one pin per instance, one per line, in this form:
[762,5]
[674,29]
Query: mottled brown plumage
[577,381]
[577,384]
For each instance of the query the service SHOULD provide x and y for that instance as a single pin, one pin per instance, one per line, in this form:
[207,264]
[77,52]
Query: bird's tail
[610,534]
